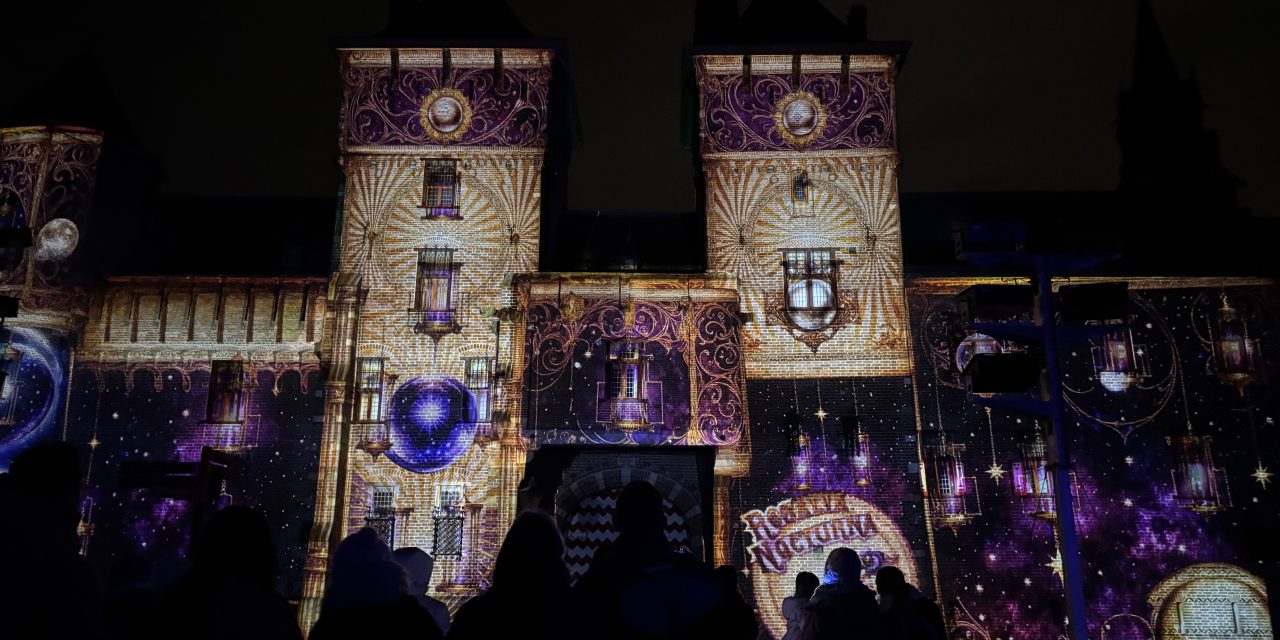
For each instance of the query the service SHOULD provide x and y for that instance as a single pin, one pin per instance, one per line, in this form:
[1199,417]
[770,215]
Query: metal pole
[1060,464]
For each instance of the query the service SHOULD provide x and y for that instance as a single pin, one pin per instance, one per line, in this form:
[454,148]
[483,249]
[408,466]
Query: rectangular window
[810,279]
[800,188]
[435,281]
[632,384]
[440,188]
[369,390]
[382,515]
[450,498]
[480,382]
[226,392]
[384,501]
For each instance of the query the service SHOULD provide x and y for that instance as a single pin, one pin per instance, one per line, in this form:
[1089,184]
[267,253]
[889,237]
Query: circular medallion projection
[445,114]
[800,117]
[57,240]
[433,423]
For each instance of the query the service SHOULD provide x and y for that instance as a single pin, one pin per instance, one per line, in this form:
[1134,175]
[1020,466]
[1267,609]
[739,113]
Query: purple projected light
[432,423]
[32,392]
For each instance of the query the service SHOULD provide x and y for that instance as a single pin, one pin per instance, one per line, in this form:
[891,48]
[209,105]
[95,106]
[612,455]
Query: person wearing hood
[418,565]
[793,607]
[843,608]
[368,595]
[911,615]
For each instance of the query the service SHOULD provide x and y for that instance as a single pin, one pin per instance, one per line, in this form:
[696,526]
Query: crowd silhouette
[637,589]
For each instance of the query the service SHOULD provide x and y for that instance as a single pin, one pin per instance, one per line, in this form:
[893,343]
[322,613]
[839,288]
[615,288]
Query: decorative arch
[596,490]
[1211,600]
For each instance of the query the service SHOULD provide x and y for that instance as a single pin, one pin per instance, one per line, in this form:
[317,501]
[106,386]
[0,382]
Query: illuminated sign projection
[796,535]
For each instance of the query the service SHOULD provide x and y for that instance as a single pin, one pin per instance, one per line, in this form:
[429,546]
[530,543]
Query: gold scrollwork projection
[1126,410]
[851,209]
[846,313]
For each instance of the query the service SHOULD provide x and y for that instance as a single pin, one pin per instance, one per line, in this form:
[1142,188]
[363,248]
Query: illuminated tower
[799,153]
[47,177]
[442,150]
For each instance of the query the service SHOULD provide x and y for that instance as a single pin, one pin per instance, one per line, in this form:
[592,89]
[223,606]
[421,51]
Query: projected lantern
[84,528]
[855,447]
[1032,479]
[800,462]
[628,375]
[1235,353]
[1115,358]
[1198,486]
[949,489]
[861,459]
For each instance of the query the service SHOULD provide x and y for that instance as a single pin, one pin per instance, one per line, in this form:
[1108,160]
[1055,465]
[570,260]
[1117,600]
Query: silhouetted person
[368,596]
[132,601]
[911,616]
[737,618]
[229,592]
[643,589]
[793,607]
[418,565]
[843,607]
[529,596]
[47,582]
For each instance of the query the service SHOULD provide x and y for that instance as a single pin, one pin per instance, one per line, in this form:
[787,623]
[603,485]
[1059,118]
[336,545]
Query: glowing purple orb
[433,423]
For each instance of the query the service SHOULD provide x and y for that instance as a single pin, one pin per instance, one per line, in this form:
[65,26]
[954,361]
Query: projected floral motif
[419,108]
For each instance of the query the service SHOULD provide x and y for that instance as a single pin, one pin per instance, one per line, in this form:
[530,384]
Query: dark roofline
[375,42]
[897,48]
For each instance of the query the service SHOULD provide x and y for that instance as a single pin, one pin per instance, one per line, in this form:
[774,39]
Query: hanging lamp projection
[1032,479]
[1235,351]
[951,492]
[1198,485]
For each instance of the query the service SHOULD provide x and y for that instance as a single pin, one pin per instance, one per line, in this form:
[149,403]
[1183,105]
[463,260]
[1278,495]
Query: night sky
[241,99]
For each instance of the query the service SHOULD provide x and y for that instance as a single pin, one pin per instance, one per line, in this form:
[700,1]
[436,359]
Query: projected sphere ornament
[800,118]
[446,115]
[57,240]
[433,423]
[973,345]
